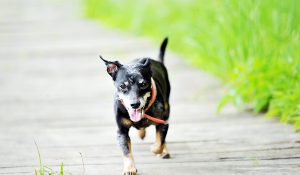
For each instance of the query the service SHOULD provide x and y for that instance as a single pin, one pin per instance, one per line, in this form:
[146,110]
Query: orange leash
[156,120]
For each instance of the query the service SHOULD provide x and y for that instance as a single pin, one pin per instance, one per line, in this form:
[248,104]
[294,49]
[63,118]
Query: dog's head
[133,85]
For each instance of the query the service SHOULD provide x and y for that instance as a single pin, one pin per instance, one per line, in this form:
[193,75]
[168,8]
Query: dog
[141,99]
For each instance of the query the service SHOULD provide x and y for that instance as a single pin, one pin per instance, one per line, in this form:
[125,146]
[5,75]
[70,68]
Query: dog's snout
[135,105]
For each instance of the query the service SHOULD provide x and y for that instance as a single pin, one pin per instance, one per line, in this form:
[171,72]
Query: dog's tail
[162,50]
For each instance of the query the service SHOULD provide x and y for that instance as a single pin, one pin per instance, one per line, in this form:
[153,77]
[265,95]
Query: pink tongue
[136,115]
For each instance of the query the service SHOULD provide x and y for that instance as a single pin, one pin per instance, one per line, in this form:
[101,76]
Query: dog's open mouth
[136,114]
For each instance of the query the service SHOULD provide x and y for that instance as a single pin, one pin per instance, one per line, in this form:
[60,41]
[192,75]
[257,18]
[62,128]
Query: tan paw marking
[129,168]
[160,151]
[132,171]
[157,149]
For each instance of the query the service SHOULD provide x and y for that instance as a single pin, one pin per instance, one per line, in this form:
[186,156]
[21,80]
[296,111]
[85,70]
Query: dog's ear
[145,62]
[112,66]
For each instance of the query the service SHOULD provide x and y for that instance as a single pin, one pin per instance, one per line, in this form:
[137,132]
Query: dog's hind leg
[160,147]
[142,133]
[125,144]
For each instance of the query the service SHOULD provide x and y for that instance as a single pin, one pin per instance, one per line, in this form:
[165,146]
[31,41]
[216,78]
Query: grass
[252,45]
[45,170]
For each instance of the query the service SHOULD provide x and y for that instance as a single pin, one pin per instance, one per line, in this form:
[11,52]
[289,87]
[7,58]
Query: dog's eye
[144,85]
[123,87]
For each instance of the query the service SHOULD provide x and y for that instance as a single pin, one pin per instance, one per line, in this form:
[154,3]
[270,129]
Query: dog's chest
[142,124]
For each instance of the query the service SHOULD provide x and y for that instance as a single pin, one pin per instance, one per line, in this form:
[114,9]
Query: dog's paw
[165,155]
[157,149]
[129,168]
[131,171]
[160,151]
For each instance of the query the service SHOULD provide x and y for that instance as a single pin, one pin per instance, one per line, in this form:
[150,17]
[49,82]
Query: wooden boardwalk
[54,90]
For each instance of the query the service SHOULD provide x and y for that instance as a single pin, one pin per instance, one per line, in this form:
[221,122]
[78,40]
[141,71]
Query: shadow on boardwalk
[54,89]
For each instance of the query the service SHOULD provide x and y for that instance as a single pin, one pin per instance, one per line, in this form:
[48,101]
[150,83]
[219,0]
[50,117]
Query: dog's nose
[135,105]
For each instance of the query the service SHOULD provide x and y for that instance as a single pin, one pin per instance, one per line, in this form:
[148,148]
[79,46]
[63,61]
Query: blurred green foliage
[253,45]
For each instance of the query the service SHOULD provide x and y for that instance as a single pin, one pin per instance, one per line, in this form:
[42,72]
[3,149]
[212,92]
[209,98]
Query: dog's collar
[152,99]
[153,94]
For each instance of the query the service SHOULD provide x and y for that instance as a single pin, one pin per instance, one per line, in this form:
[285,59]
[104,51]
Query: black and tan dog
[141,100]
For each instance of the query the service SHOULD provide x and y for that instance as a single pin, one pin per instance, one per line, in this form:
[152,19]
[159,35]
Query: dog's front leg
[160,146]
[124,142]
